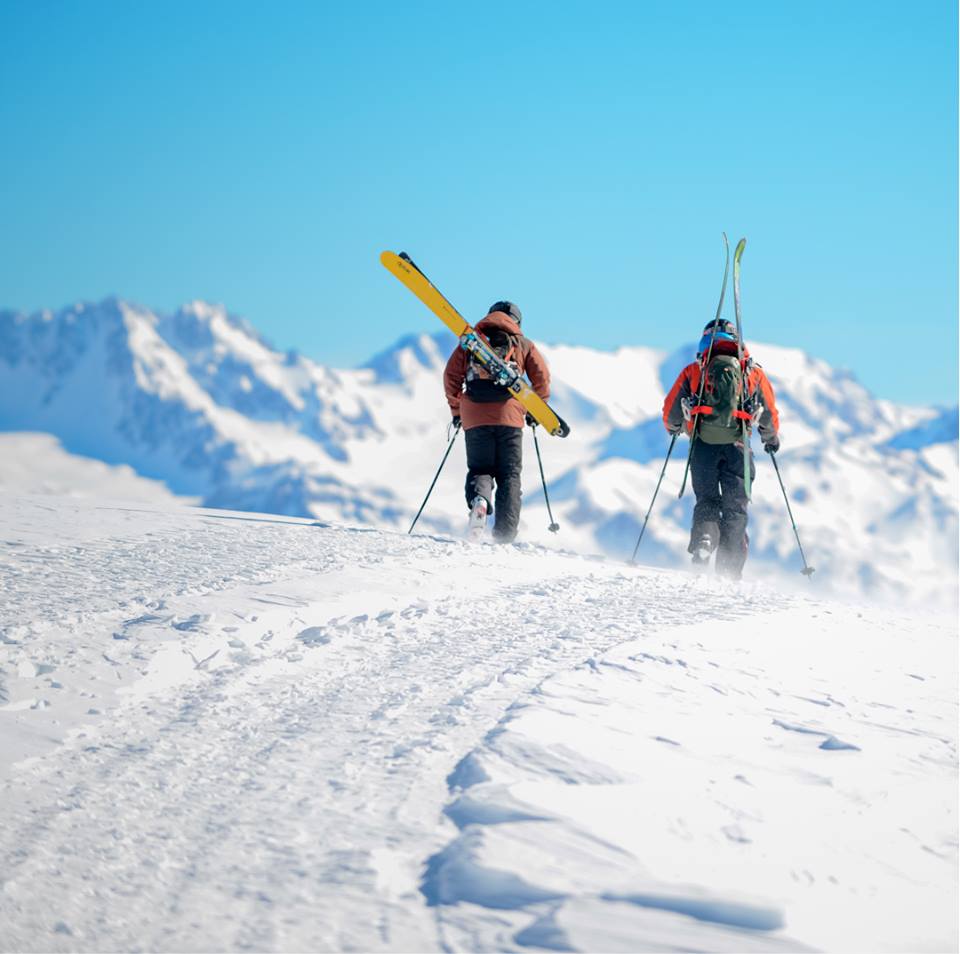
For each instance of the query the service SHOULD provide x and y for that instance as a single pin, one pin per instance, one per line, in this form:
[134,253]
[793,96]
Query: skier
[716,427]
[493,421]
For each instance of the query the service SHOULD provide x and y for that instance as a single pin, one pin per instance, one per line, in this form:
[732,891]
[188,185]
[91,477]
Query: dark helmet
[508,308]
[725,332]
[723,327]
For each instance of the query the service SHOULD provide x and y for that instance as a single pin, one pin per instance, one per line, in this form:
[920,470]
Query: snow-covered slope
[198,400]
[38,464]
[222,731]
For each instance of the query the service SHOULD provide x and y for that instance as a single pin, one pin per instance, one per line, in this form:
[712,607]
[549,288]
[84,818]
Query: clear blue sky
[581,159]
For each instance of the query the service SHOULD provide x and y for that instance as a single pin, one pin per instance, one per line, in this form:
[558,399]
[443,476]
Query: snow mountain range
[201,402]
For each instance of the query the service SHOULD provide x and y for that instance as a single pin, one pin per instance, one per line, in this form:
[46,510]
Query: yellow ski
[403,268]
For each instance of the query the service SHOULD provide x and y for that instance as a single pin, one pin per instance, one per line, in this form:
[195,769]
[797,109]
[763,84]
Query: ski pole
[554,526]
[807,570]
[456,431]
[706,364]
[663,470]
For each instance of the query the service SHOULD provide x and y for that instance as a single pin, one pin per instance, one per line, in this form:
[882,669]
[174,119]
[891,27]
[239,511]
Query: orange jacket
[759,393]
[510,412]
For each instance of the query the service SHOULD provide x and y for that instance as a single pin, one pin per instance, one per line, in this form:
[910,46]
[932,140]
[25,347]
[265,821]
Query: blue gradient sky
[579,158]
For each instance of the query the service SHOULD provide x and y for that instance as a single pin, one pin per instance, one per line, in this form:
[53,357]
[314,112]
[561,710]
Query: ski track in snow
[226,732]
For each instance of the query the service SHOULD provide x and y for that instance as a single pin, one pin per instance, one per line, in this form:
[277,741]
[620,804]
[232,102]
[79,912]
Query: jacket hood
[499,321]
[726,347]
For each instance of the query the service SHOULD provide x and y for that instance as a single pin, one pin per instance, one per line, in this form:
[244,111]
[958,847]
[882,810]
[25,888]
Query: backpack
[719,412]
[479,385]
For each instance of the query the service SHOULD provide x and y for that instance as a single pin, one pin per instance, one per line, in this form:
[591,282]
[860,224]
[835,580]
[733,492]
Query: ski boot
[701,554]
[478,519]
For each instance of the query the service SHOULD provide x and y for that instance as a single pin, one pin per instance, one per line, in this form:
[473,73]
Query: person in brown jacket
[493,420]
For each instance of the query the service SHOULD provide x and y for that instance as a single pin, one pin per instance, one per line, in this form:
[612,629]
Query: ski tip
[563,428]
[388,260]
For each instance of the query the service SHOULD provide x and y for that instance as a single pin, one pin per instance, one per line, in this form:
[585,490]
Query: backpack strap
[706,409]
[522,346]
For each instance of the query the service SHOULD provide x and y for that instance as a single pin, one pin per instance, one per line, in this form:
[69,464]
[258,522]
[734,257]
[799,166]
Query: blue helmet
[725,333]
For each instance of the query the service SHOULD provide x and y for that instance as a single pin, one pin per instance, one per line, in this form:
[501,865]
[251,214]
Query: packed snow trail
[243,733]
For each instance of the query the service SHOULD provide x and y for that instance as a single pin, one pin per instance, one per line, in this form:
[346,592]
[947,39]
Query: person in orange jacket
[493,420]
[714,423]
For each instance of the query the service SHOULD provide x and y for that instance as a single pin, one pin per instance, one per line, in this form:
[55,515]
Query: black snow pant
[495,454]
[721,509]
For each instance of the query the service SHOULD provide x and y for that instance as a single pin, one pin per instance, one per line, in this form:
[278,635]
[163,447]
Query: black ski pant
[721,509]
[495,456]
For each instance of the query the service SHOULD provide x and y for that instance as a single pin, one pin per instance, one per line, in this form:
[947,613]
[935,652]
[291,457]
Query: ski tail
[403,268]
[703,377]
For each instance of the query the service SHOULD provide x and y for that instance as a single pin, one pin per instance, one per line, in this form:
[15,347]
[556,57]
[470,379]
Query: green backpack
[720,413]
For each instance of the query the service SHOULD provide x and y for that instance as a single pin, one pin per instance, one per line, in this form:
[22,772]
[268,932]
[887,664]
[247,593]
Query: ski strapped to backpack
[713,334]
[482,386]
[744,418]
[504,374]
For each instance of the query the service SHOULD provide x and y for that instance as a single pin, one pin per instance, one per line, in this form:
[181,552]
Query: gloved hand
[531,420]
[674,428]
[456,421]
[773,445]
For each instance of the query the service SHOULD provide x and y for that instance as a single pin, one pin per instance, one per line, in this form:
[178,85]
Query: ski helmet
[508,308]
[725,332]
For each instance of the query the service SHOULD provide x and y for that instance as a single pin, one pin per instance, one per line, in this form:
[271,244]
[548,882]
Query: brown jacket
[510,412]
